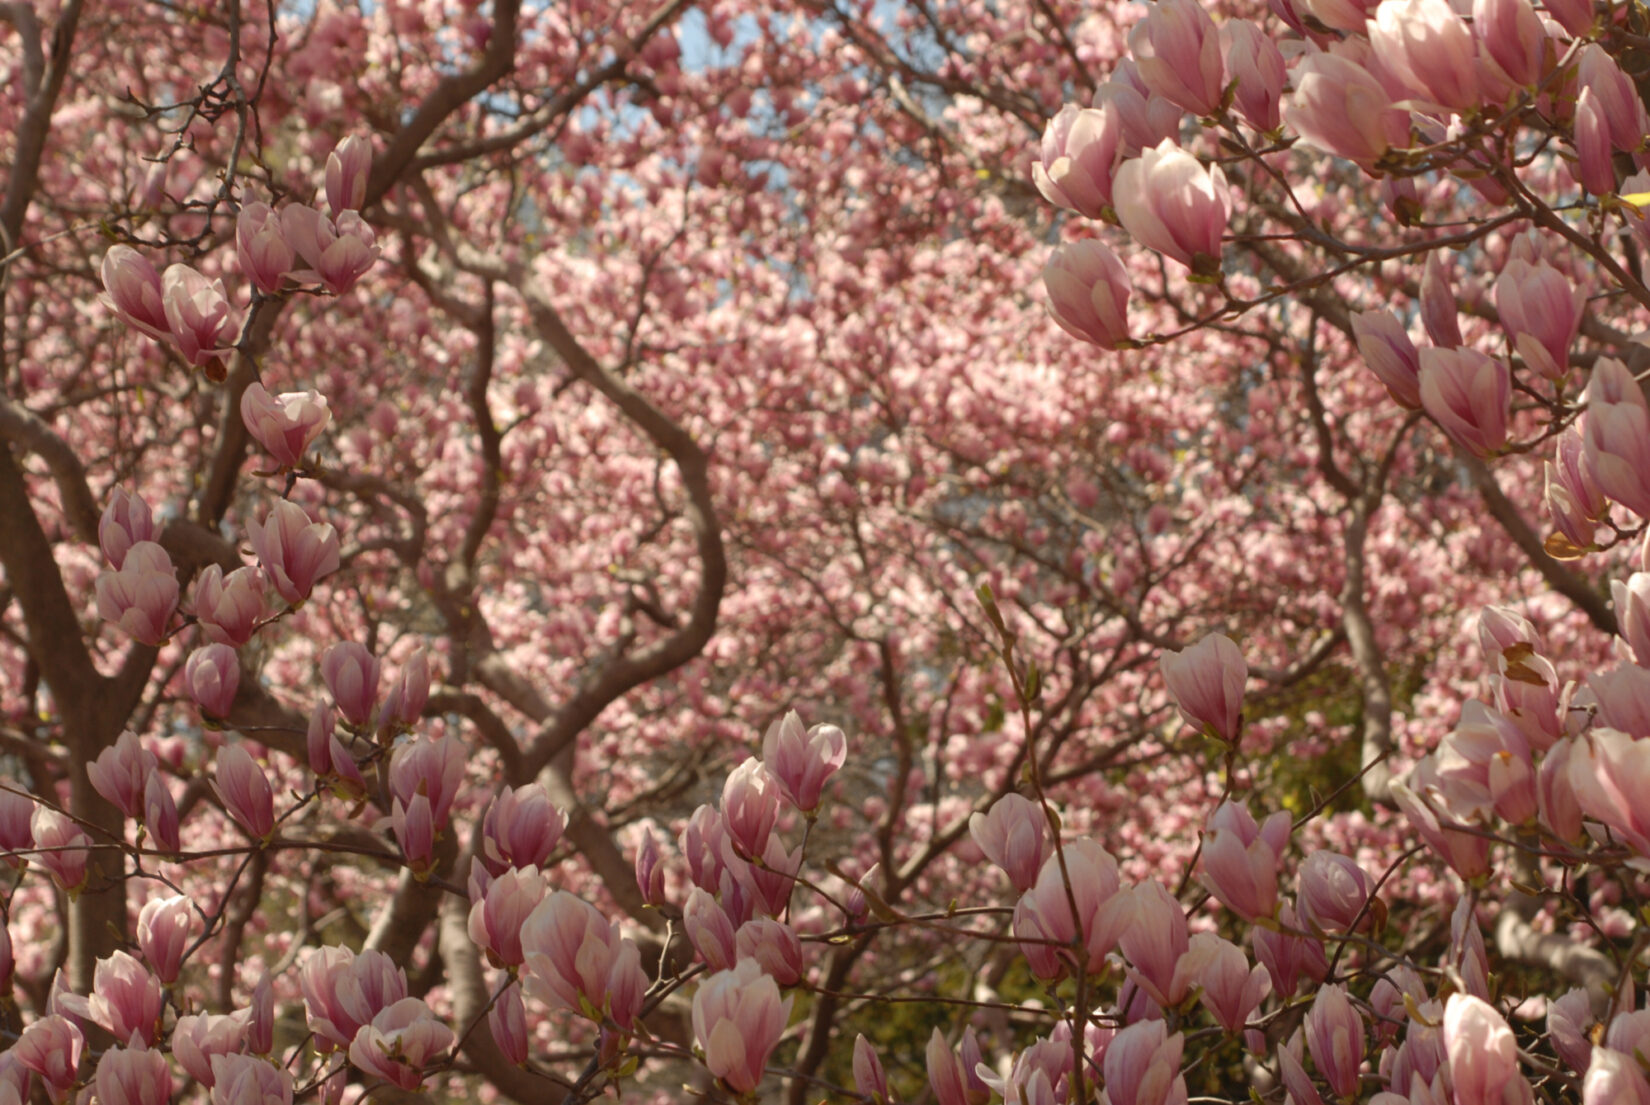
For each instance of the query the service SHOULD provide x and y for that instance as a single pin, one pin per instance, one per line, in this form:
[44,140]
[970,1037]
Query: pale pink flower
[348,167]
[1288,958]
[1241,859]
[120,772]
[198,314]
[141,596]
[1013,835]
[1511,39]
[507,1021]
[1231,989]
[750,805]
[1170,203]
[1390,354]
[196,1038]
[1428,47]
[286,425]
[1542,313]
[1609,773]
[51,1047]
[213,675]
[1088,293]
[125,999]
[1614,1079]
[431,767]
[404,701]
[1155,942]
[800,762]
[1617,436]
[738,1018]
[1483,1055]
[773,944]
[160,814]
[1335,1037]
[1255,63]
[1469,396]
[351,675]
[1043,920]
[163,932]
[244,790]
[497,917]
[338,253]
[1177,52]
[710,930]
[521,829]
[295,552]
[870,1080]
[414,830]
[1206,682]
[1338,106]
[260,247]
[1079,154]
[343,991]
[650,870]
[61,849]
[246,1080]
[133,1076]
[229,608]
[134,293]
[576,960]
[1142,1066]
[401,1040]
[125,521]
[1332,893]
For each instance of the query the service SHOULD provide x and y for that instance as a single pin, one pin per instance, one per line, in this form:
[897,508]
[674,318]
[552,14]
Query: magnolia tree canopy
[931,551]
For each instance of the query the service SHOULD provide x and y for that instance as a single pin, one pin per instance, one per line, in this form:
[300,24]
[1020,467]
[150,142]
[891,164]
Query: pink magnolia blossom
[1043,921]
[1568,1021]
[1287,958]
[338,253]
[1241,859]
[507,1021]
[1483,1055]
[946,1072]
[497,917]
[1623,695]
[1206,682]
[750,805]
[1142,1066]
[1146,118]
[163,932]
[1255,63]
[213,675]
[125,998]
[1177,51]
[61,849]
[1338,106]
[1511,39]
[197,1037]
[1556,802]
[801,761]
[1231,989]
[404,701]
[1416,796]
[738,1018]
[230,607]
[1439,312]
[348,166]
[1429,48]
[1170,203]
[120,773]
[199,315]
[576,960]
[1155,943]
[870,1080]
[133,1076]
[344,991]
[1593,170]
[286,425]
[16,811]
[1487,767]
[1614,1079]
[1542,313]
[521,829]
[246,1080]
[295,553]
[774,945]
[51,1048]
[133,291]
[1617,437]
[1335,1037]
[1013,835]
[414,828]
[1390,354]
[141,596]
[1609,773]
[432,768]
[351,674]
[260,1017]
[400,1042]
[710,930]
[1469,395]
[244,790]
[1088,293]
[650,870]
[160,814]
[125,521]
[1332,894]
[262,250]
[1080,151]
[1632,603]
[1619,106]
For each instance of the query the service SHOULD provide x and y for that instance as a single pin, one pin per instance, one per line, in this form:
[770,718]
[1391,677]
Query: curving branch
[29,432]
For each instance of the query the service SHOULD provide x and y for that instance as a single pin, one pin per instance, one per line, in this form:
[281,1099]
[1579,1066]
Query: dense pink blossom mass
[824,551]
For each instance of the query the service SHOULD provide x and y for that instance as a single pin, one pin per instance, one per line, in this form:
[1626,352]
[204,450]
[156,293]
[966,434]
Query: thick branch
[30,433]
[30,139]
